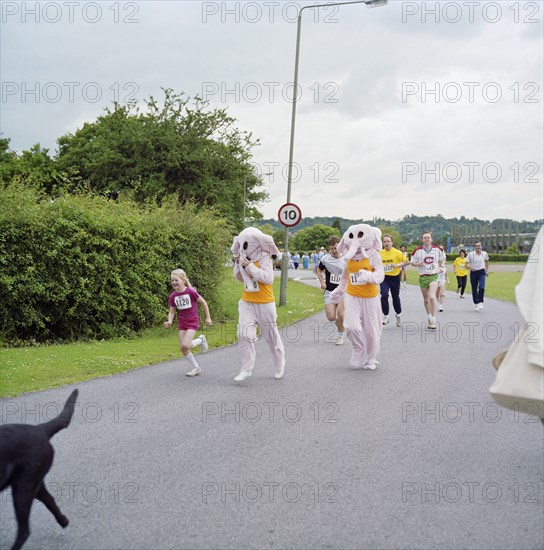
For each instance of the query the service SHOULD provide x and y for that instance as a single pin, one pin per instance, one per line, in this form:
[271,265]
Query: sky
[418,108]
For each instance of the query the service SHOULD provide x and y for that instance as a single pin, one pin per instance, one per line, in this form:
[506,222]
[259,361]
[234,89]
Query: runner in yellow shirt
[393,261]
[461,272]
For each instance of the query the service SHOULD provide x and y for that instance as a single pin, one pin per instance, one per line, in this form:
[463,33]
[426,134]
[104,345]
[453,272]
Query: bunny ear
[342,247]
[268,245]
[235,248]
[378,245]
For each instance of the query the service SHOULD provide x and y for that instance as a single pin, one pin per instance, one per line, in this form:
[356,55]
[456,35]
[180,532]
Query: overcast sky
[411,108]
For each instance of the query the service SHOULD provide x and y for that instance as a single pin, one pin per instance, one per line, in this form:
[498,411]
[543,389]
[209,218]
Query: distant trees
[313,237]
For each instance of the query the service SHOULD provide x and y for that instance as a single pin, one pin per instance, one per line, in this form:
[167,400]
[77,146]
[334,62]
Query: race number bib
[183,302]
[462,266]
[334,279]
[431,267]
[354,278]
[251,286]
[388,267]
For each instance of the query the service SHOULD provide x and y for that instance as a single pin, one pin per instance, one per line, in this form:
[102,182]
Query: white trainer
[441,308]
[204,345]
[370,366]
[399,322]
[340,341]
[385,320]
[242,376]
[481,305]
[193,372]
[279,374]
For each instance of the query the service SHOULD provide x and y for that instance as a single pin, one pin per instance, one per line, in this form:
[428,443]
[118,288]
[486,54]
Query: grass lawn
[39,367]
[499,284]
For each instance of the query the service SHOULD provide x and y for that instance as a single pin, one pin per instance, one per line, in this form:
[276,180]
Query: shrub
[89,267]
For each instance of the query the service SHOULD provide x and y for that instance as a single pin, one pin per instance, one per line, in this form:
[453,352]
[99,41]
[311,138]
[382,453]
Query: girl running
[184,301]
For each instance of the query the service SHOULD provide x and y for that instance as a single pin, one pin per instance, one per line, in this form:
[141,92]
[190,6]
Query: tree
[336,225]
[191,151]
[267,229]
[390,230]
[512,249]
[34,166]
[313,237]
[279,237]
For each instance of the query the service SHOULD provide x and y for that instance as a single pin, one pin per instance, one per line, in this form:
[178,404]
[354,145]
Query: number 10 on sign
[289,214]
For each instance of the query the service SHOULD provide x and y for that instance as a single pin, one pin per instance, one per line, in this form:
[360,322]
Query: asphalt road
[413,455]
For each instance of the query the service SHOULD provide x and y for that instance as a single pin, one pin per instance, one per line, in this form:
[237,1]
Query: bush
[88,267]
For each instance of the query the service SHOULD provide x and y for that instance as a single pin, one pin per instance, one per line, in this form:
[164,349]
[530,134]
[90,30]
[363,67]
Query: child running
[184,300]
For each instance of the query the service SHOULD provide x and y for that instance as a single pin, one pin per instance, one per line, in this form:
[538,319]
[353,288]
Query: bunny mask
[359,241]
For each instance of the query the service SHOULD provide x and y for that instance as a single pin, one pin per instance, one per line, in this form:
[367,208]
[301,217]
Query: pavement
[414,455]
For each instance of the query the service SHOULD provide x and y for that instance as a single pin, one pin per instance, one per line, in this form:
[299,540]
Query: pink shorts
[188,324]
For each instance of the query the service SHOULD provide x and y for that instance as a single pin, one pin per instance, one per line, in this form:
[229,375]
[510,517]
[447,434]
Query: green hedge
[88,267]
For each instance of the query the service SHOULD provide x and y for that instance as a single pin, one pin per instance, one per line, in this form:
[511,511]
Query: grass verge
[40,367]
[499,285]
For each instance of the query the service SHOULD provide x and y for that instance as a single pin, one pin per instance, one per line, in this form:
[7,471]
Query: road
[413,455]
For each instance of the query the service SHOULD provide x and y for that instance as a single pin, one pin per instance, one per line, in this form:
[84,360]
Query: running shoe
[242,376]
[340,341]
[193,372]
[204,345]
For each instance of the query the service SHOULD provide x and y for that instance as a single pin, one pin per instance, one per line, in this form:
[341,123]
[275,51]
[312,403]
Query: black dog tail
[63,419]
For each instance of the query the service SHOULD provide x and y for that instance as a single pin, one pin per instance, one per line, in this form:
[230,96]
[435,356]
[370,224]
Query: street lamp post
[244,211]
[285,259]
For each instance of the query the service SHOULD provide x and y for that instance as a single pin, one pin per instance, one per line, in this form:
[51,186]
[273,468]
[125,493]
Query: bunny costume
[360,281]
[252,267]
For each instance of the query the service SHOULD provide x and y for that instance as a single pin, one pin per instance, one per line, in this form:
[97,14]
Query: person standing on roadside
[393,261]
[478,263]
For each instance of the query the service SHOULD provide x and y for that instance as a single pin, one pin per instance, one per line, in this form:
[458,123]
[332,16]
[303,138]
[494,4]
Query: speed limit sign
[289,214]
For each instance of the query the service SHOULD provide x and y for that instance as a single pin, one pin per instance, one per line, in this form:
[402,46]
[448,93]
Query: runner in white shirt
[478,263]
[429,259]
[332,266]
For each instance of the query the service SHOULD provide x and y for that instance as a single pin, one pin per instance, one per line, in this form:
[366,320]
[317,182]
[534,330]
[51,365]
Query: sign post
[289,215]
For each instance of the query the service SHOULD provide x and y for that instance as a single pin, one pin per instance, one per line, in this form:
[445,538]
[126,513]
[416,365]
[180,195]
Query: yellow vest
[389,257]
[264,295]
[362,291]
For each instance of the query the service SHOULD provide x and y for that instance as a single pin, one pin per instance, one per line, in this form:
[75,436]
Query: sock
[197,342]
[191,358]
[340,334]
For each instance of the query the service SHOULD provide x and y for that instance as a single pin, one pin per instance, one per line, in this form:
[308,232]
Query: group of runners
[429,259]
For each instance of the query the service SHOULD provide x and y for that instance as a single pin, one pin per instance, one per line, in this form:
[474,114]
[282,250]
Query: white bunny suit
[257,306]
[360,281]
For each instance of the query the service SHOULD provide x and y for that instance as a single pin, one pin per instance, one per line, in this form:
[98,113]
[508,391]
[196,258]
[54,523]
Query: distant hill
[411,227]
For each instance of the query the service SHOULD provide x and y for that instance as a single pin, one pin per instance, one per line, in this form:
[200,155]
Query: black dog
[25,457]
